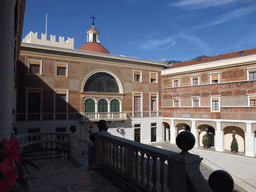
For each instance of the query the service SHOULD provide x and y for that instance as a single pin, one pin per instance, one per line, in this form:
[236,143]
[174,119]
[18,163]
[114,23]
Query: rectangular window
[215,104]
[195,102]
[137,105]
[153,132]
[195,81]
[34,104]
[176,103]
[61,69]
[153,77]
[35,67]
[176,83]
[61,105]
[60,129]
[137,132]
[252,101]
[214,78]
[252,75]
[137,76]
[153,105]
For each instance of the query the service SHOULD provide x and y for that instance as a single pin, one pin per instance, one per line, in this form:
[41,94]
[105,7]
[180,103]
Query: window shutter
[215,77]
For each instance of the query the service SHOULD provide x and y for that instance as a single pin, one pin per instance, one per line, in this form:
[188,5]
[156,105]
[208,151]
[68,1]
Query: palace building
[58,86]
[215,95]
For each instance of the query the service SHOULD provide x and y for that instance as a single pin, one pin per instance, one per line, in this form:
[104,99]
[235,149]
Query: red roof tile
[94,47]
[215,58]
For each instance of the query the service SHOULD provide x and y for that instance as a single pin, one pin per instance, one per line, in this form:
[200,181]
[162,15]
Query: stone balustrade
[46,141]
[150,168]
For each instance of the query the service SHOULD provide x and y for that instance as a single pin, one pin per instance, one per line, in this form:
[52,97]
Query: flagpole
[46,26]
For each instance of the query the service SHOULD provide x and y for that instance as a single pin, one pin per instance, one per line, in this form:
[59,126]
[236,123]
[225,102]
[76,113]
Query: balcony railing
[144,113]
[152,169]
[113,116]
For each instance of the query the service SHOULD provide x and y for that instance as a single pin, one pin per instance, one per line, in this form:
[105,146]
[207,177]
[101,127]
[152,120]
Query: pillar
[173,132]
[249,141]
[194,131]
[6,67]
[219,137]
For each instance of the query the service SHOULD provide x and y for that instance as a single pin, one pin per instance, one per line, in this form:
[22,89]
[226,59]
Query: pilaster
[249,141]
[219,137]
[194,131]
[173,132]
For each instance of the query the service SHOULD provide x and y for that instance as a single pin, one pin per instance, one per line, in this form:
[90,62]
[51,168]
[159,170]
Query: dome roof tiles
[94,47]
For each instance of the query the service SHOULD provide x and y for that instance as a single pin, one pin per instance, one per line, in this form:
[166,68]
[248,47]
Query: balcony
[108,116]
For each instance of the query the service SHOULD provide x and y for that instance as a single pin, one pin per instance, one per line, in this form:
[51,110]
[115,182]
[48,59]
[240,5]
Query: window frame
[253,69]
[249,100]
[174,102]
[151,78]
[41,101]
[199,102]
[178,80]
[67,98]
[140,78]
[211,74]
[138,127]
[141,103]
[152,127]
[218,99]
[56,69]
[192,80]
[40,67]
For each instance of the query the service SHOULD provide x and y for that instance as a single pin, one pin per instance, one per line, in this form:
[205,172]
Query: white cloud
[234,14]
[155,43]
[200,4]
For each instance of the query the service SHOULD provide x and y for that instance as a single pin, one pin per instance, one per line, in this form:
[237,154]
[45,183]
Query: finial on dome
[93,20]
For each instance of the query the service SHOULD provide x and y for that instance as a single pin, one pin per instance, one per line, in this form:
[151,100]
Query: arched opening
[167,132]
[114,106]
[101,82]
[203,130]
[238,133]
[89,106]
[102,106]
[183,127]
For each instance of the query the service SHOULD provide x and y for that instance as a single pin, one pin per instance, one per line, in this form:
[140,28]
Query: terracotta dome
[93,46]
[93,29]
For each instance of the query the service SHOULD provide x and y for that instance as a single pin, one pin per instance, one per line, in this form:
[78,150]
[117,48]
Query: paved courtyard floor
[241,168]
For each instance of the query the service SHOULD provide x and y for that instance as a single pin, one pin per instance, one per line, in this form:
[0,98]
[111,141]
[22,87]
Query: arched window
[114,106]
[102,106]
[89,106]
[101,82]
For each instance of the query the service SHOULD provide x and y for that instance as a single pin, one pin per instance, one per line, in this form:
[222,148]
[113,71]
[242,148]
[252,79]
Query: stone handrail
[104,115]
[150,168]
[48,141]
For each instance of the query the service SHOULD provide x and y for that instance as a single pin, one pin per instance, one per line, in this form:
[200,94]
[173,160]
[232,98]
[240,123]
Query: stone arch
[187,122]
[239,135]
[119,84]
[167,131]
[241,125]
[183,126]
[202,131]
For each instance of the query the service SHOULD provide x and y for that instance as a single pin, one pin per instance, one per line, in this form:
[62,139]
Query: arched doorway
[203,130]
[182,127]
[238,133]
[167,132]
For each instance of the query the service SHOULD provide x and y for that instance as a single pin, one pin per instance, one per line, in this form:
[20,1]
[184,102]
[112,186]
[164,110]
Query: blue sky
[147,29]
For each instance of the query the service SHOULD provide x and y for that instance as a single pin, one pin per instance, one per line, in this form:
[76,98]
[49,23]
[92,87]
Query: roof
[93,29]
[94,47]
[215,58]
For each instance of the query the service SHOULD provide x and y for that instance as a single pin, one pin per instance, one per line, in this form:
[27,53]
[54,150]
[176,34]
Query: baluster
[126,171]
[136,166]
[154,174]
[118,158]
[121,159]
[117,155]
[148,173]
[113,155]
[162,174]
[142,181]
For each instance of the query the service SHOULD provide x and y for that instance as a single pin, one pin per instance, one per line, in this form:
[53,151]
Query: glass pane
[89,106]
[102,106]
[101,82]
[114,105]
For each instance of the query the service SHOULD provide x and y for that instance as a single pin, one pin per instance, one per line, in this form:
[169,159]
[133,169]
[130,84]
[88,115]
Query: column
[7,8]
[194,131]
[219,137]
[249,141]
[173,132]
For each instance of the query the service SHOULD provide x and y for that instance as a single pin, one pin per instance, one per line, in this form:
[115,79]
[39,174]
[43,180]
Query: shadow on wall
[37,101]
